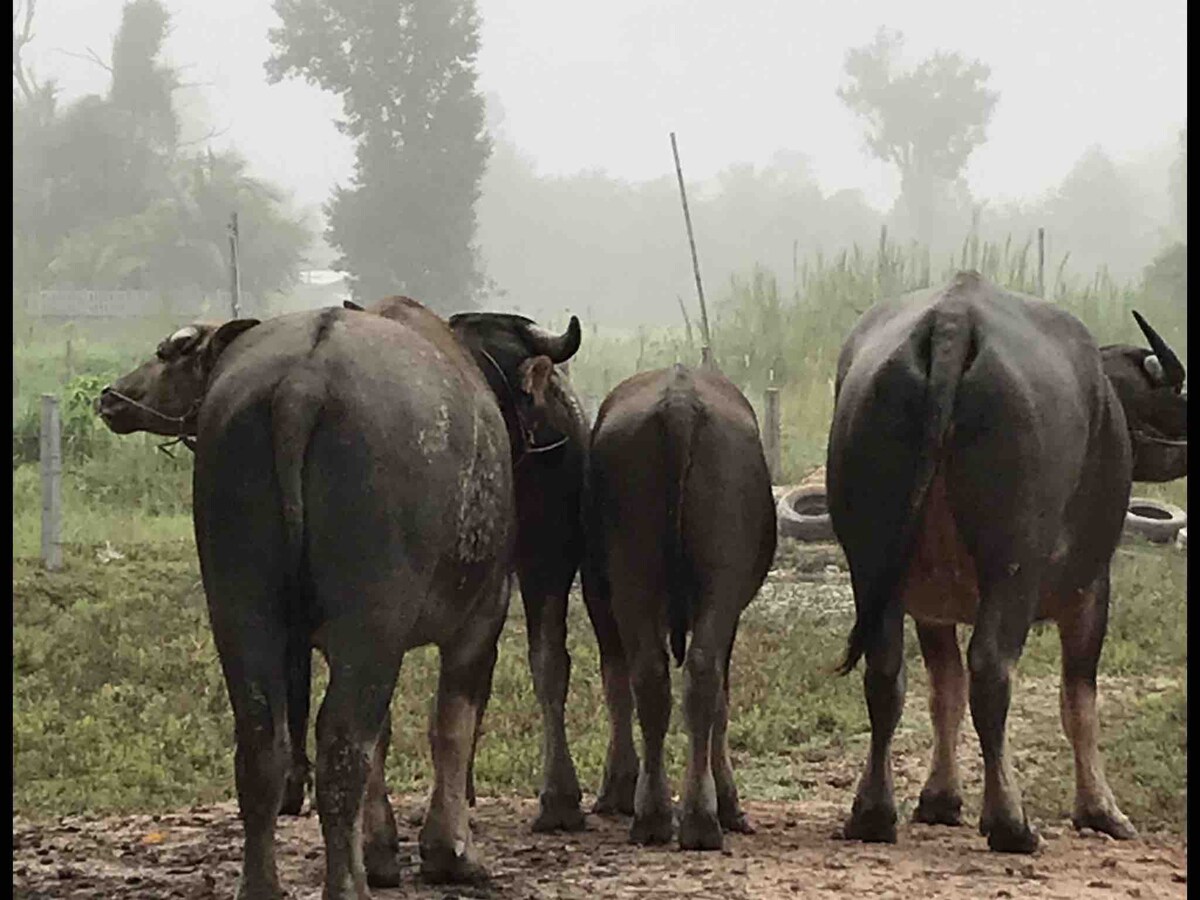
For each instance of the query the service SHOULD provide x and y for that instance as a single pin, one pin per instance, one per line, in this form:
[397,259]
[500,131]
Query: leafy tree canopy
[105,197]
[926,120]
[405,70]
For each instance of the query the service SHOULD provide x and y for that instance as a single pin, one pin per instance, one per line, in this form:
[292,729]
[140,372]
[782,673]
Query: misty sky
[599,85]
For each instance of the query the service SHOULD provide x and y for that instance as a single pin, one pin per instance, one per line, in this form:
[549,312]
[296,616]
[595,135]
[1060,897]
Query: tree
[104,196]
[1098,211]
[142,84]
[405,72]
[926,121]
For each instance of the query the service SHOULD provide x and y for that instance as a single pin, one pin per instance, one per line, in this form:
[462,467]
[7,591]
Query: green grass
[118,701]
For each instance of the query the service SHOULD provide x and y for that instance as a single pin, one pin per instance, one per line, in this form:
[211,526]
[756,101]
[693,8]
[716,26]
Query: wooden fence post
[771,435]
[51,464]
[1042,263]
[235,275]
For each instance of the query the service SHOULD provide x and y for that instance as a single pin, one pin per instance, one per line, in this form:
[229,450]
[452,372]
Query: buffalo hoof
[255,889]
[736,822]
[872,824]
[655,828]
[382,864]
[616,798]
[444,866]
[698,831]
[558,814]
[1008,836]
[1113,823]
[938,809]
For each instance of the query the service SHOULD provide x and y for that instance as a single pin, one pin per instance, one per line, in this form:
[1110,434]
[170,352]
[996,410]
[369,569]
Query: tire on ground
[1154,520]
[803,514]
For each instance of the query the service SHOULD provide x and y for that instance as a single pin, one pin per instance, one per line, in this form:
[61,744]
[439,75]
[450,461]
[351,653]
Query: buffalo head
[1152,387]
[163,395]
[518,359]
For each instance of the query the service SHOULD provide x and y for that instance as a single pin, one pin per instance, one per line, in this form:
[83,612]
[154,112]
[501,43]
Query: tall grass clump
[116,489]
[789,336]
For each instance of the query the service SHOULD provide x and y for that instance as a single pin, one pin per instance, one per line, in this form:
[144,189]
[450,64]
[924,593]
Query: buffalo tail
[681,419]
[947,345]
[294,410]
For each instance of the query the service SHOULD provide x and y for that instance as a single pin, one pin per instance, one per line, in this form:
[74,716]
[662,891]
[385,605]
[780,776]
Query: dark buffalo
[548,474]
[353,492]
[680,528]
[978,472]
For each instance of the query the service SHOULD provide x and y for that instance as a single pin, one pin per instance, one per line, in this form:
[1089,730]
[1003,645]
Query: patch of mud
[812,577]
[196,854]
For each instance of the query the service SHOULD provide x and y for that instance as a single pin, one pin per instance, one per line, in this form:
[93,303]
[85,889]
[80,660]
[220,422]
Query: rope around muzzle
[182,438]
[1163,442]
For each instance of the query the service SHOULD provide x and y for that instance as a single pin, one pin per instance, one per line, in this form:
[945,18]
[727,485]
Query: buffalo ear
[350,304]
[1154,369]
[535,375]
[222,337]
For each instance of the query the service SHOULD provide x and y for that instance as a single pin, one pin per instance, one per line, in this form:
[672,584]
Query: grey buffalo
[352,491]
[548,475]
[978,472]
[680,529]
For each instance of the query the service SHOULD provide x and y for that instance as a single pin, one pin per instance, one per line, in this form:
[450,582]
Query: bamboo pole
[706,349]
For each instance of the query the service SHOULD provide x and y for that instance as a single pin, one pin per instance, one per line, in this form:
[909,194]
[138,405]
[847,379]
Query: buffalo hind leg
[873,815]
[941,798]
[447,851]
[621,763]
[299,686]
[729,807]
[703,691]
[256,682]
[1001,626]
[485,695]
[350,726]
[652,812]
[381,842]
[550,664]
[1081,633]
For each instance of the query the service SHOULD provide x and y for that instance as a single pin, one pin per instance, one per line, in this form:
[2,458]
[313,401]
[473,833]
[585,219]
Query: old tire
[1154,520]
[803,514]
[1181,539]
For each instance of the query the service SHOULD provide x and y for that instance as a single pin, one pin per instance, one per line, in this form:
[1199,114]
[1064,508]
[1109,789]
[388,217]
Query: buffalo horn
[1172,367]
[559,347]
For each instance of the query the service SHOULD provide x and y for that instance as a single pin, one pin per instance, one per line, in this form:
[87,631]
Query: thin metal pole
[50,453]
[687,218]
[235,285]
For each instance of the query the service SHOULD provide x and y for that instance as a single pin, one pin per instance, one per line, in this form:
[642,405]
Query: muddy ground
[195,854]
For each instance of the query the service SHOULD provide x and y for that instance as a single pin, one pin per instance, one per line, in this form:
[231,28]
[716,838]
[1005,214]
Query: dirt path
[195,854]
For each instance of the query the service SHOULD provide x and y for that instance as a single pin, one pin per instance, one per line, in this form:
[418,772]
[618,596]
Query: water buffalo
[680,529]
[352,491]
[978,471]
[548,476]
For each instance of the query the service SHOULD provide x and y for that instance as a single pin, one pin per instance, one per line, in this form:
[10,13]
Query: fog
[579,208]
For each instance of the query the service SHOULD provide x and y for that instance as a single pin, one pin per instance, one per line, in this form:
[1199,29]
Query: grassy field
[118,702]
